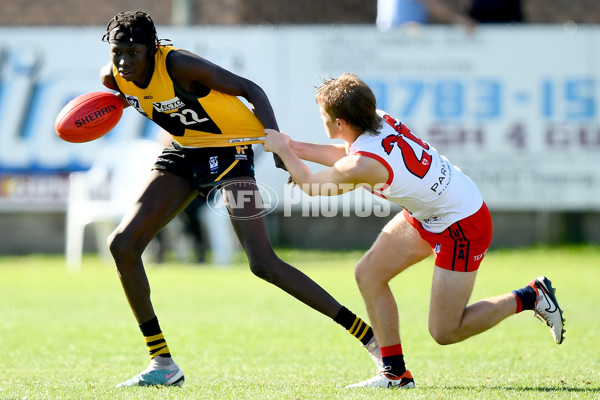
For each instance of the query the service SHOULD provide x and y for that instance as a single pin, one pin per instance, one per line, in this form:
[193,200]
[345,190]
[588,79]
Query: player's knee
[122,247]
[359,274]
[116,244]
[365,276]
[440,338]
[442,335]
[261,269]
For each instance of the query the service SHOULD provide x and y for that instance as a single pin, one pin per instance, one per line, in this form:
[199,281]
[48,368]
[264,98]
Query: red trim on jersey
[385,164]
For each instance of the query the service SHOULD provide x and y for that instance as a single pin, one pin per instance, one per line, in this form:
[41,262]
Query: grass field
[66,336]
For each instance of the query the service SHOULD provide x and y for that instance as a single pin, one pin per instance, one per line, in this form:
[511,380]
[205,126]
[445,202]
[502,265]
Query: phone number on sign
[559,99]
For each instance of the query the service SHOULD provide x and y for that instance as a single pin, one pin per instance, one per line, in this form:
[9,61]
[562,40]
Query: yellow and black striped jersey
[213,119]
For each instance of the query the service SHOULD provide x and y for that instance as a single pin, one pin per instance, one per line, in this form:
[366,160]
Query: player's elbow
[106,77]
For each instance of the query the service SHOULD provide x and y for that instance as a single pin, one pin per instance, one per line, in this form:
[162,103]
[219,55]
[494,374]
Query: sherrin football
[88,117]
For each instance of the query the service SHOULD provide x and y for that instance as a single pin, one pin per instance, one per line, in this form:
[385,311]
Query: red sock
[526,298]
[393,358]
[389,351]
[519,304]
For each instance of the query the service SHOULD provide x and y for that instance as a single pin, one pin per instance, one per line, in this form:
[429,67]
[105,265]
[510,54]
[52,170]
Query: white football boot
[384,379]
[547,309]
[162,371]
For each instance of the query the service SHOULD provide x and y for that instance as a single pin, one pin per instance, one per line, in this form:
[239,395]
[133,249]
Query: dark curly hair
[135,27]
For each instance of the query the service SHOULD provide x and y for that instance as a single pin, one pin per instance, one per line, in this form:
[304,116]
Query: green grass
[66,336]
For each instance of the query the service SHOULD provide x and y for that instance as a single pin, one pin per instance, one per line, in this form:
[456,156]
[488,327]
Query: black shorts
[207,167]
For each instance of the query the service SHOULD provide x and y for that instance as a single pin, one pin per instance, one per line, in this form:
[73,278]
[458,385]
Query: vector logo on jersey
[168,105]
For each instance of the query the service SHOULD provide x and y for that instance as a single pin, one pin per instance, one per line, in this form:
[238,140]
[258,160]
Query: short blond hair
[351,99]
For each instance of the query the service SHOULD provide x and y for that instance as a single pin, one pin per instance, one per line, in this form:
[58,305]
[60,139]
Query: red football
[88,117]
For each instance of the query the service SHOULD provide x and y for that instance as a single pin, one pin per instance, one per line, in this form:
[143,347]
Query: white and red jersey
[421,180]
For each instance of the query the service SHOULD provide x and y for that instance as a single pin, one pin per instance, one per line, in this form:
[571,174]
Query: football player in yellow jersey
[195,100]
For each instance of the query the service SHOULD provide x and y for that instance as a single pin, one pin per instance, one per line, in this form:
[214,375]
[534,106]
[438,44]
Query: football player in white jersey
[444,214]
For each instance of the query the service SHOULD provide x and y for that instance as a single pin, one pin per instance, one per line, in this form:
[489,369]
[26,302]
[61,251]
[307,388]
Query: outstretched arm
[191,70]
[324,154]
[346,174]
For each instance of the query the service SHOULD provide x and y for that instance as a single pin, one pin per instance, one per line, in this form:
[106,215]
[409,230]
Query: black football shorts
[207,167]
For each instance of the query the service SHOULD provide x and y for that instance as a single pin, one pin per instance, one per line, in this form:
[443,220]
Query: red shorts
[462,246]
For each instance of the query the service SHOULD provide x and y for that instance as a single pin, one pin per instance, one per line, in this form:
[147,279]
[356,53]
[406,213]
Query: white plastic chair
[100,197]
